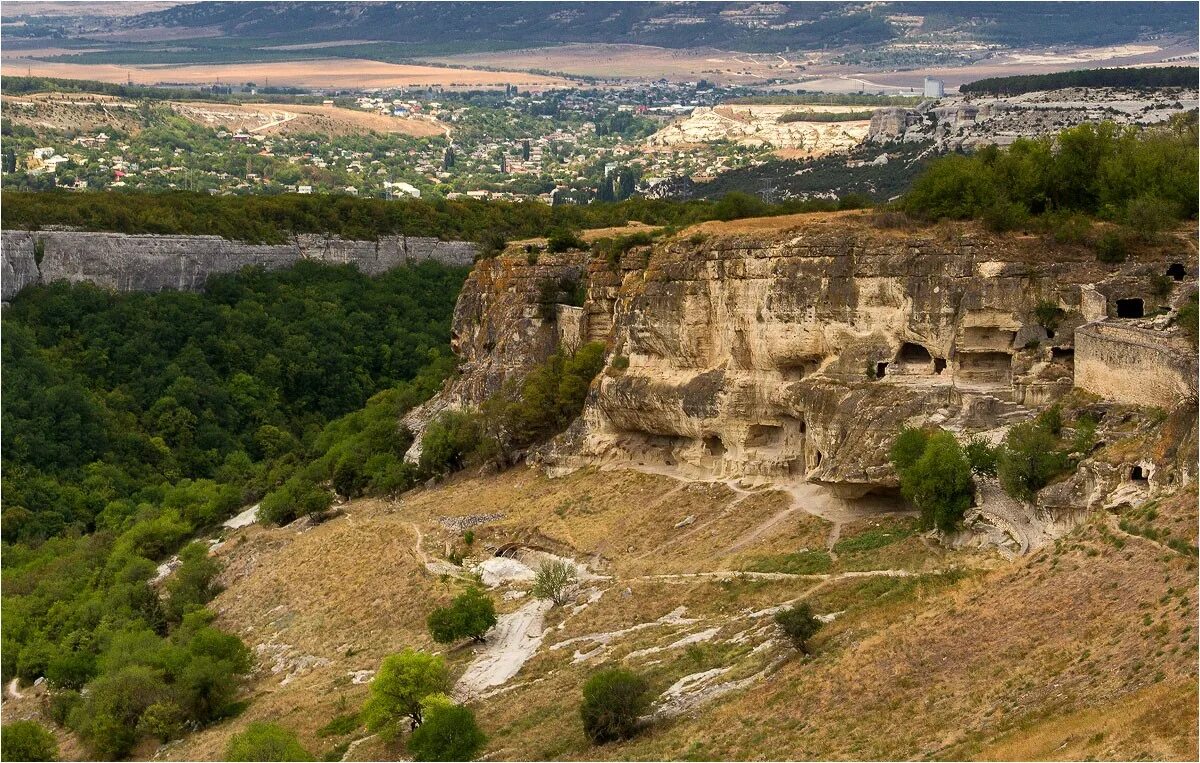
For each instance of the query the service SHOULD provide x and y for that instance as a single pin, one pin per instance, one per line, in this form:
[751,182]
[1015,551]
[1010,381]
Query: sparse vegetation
[799,624]
[554,580]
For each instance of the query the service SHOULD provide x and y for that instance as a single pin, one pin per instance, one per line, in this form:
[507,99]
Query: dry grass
[995,659]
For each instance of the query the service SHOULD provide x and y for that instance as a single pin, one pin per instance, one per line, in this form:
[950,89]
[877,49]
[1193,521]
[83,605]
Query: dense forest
[1151,77]
[1142,178]
[272,219]
[134,422]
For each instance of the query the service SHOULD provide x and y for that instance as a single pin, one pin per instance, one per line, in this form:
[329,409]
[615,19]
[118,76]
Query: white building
[934,88]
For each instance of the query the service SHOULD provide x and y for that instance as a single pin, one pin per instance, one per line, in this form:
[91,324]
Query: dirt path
[510,644]
[12,690]
[285,117]
[433,566]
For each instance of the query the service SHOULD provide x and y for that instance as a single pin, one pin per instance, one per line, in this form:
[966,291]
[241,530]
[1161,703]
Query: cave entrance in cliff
[939,365]
[880,369]
[1062,353]
[1137,474]
[1131,308]
[713,446]
[1177,271]
[914,359]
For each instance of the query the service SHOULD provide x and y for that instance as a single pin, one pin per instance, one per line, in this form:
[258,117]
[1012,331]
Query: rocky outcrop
[153,262]
[797,347]
[757,126]
[505,323]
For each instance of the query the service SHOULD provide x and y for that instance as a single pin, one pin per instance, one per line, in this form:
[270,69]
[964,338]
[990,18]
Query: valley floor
[1084,649]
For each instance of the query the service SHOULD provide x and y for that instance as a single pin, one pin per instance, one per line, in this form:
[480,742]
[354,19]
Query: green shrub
[265,742]
[613,700]
[982,457]
[1028,460]
[938,482]
[908,447]
[472,614]
[451,441]
[1188,319]
[449,733]
[340,726]
[1070,229]
[27,740]
[799,624]
[1148,216]
[491,244]
[396,692]
[564,239]
[1003,216]
[193,584]
[553,580]
[1048,314]
[1111,248]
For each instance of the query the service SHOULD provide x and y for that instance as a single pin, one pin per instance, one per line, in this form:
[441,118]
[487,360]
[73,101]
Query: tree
[1029,459]
[799,623]
[471,614]
[982,457]
[935,476]
[27,740]
[448,733]
[265,741]
[403,680]
[553,580]
[613,701]
[193,584]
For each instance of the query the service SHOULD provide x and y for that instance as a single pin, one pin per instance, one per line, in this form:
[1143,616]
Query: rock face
[505,323]
[154,263]
[797,347]
[960,121]
[760,126]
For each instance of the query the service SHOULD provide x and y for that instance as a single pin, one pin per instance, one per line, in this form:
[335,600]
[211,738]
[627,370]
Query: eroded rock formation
[797,347]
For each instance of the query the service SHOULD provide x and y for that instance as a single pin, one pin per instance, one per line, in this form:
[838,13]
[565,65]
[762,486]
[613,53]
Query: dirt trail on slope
[510,644]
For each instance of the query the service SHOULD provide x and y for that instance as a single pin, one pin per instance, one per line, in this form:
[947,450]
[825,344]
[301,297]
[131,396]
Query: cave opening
[1132,307]
[1136,474]
[910,352]
[880,369]
[1062,353]
[1177,271]
[939,365]
[713,446]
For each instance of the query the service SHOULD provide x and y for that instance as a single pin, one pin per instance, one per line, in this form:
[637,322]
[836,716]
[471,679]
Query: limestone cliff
[797,347]
[156,262]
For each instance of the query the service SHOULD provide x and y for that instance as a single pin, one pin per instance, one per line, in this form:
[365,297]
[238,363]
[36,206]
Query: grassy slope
[1084,650]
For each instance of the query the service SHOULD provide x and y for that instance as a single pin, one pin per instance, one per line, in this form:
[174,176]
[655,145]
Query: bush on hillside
[1029,459]
[448,733]
[799,624]
[265,742]
[396,692]
[554,580]
[27,740]
[471,615]
[613,701]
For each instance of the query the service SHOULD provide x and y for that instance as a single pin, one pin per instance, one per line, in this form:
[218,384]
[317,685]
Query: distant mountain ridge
[739,26]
